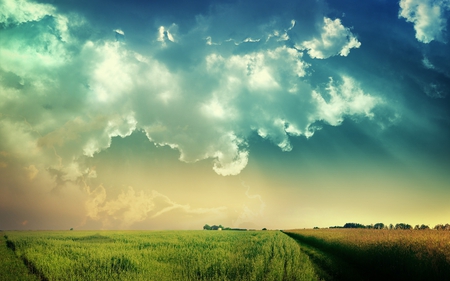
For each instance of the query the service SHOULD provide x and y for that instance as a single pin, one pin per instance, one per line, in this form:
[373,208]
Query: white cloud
[205,110]
[335,39]
[113,72]
[21,11]
[67,96]
[119,31]
[345,99]
[231,158]
[119,34]
[428,17]
[167,34]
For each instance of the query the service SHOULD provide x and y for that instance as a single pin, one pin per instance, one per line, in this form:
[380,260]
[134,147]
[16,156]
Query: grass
[12,267]
[384,254]
[330,267]
[326,254]
[161,255]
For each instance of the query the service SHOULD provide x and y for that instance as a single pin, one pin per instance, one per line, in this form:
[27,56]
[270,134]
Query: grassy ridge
[386,254]
[163,255]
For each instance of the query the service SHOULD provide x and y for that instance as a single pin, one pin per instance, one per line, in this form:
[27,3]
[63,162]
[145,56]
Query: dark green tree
[353,225]
[378,225]
[403,226]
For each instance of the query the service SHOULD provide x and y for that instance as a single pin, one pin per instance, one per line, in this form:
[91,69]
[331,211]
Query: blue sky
[145,115]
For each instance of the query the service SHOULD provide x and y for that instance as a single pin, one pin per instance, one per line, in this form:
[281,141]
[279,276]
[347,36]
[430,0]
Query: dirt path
[11,267]
[329,266]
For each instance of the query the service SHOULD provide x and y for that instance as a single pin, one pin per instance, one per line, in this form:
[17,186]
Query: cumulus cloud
[21,11]
[206,111]
[428,16]
[335,39]
[65,95]
[345,99]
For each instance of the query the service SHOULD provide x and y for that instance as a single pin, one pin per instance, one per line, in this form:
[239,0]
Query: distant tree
[439,227]
[264,228]
[379,225]
[216,227]
[442,227]
[423,227]
[403,226]
[316,227]
[391,226]
[353,225]
[71,228]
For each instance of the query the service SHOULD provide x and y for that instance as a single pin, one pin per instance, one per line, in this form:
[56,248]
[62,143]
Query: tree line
[381,225]
[220,227]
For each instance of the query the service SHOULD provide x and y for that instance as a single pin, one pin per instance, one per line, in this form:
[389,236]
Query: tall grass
[163,255]
[12,268]
[391,254]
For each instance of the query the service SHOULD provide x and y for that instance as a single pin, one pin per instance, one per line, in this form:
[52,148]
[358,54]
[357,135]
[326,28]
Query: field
[319,254]
[371,254]
[158,255]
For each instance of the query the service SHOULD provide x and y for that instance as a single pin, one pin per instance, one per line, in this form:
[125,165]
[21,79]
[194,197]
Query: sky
[172,115]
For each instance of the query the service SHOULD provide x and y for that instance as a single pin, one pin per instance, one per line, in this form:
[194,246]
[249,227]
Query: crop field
[378,254]
[319,254]
[157,255]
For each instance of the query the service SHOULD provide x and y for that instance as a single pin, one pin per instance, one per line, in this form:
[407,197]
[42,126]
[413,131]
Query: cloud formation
[208,111]
[334,39]
[130,207]
[204,89]
[21,11]
[428,16]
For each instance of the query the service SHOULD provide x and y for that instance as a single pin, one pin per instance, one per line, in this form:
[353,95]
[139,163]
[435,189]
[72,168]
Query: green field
[319,254]
[158,255]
